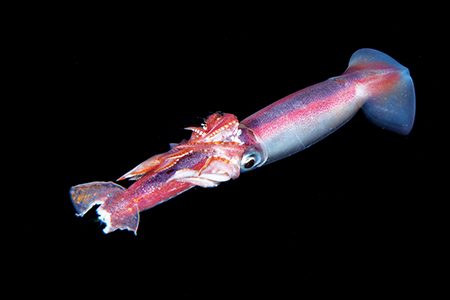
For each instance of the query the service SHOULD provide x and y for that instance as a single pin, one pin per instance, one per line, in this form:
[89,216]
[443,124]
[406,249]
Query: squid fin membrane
[391,107]
[85,196]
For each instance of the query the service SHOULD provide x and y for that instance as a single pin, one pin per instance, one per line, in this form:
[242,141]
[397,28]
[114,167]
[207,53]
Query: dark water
[344,213]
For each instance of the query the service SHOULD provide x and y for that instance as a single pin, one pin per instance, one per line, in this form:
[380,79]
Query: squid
[223,147]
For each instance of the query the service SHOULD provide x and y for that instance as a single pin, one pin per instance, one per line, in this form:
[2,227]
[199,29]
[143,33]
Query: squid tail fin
[392,101]
[85,196]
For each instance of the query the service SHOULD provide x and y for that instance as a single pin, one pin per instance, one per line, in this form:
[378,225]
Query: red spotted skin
[149,191]
[213,151]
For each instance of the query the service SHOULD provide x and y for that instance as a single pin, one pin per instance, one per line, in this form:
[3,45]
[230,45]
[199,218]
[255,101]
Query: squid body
[223,147]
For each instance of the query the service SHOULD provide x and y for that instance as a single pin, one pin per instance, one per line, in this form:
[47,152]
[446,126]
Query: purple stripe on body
[297,101]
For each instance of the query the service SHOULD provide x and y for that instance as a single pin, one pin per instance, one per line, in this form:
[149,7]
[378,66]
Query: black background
[118,84]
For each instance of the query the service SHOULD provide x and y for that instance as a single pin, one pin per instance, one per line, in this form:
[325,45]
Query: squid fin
[393,106]
[85,196]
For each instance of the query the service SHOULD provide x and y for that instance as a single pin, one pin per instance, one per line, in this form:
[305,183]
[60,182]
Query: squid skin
[373,81]
[211,156]
[222,147]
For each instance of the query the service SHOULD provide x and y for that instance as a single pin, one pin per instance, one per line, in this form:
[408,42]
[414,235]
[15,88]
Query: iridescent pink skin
[373,81]
[211,156]
[222,148]
[122,211]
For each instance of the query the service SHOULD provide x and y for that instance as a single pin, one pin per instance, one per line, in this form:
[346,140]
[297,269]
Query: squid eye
[250,160]
[249,163]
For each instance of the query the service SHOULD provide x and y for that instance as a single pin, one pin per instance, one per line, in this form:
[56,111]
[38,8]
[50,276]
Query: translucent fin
[393,102]
[86,195]
[396,111]
[363,57]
